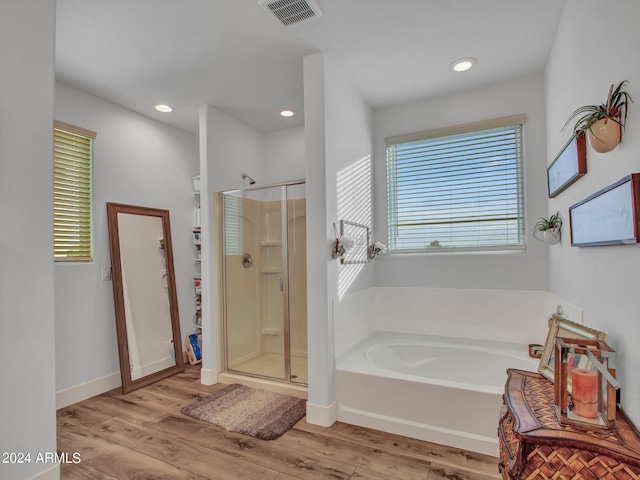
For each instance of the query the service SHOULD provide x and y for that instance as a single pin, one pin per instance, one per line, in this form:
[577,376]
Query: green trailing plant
[615,108]
[554,222]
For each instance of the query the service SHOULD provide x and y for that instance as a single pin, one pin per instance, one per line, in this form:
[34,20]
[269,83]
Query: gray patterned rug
[258,413]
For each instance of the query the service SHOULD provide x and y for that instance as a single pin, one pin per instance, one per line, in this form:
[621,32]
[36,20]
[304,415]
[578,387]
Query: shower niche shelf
[270,243]
[268,270]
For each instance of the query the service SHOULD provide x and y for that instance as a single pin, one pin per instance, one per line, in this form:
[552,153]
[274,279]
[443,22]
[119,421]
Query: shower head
[247,177]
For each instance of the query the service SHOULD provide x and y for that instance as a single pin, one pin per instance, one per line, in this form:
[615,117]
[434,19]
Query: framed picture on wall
[608,217]
[568,166]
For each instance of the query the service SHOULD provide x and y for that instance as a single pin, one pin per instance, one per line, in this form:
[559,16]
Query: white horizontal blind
[461,192]
[232,225]
[72,216]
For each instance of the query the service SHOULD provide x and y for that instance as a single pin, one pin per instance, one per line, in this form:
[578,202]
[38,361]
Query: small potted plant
[376,248]
[548,229]
[604,123]
[341,245]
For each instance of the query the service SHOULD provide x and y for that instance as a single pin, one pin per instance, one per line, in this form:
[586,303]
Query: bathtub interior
[446,361]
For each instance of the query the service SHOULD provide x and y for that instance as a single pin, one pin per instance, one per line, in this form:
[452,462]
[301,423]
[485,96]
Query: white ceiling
[231,54]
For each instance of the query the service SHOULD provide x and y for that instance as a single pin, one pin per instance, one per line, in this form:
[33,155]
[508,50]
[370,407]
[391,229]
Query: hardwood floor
[143,435]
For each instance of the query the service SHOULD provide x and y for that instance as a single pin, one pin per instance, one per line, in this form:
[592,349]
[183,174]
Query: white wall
[339,135]
[603,281]
[136,161]
[27,359]
[284,153]
[516,271]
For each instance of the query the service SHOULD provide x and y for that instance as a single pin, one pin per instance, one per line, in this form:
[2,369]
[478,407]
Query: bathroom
[601,282]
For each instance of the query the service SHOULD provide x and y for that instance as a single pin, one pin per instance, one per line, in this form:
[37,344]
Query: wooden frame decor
[568,166]
[608,217]
[560,326]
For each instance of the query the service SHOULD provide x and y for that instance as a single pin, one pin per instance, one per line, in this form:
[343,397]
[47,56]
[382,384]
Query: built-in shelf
[270,243]
[273,331]
[271,270]
[197,261]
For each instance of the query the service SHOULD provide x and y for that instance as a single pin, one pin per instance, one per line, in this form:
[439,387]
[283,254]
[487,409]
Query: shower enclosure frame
[285,284]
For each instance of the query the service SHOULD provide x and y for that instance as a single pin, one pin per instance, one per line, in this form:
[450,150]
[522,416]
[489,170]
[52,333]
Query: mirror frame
[113,209]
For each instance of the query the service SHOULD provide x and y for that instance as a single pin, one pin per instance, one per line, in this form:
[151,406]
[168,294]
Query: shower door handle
[281,284]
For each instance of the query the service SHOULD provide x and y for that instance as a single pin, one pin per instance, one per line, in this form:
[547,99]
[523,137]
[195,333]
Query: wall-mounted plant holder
[360,235]
[603,122]
[548,230]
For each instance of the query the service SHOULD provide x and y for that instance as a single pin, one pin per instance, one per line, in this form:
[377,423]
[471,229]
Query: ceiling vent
[291,12]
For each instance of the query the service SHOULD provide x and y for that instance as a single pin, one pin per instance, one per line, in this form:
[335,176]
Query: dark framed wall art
[608,217]
[568,166]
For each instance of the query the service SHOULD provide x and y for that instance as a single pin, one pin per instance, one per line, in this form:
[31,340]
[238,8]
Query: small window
[233,225]
[72,199]
[457,189]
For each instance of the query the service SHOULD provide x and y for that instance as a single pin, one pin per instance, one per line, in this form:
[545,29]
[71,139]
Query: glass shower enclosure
[264,282]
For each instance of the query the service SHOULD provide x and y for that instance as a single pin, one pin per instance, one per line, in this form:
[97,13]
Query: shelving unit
[197,275]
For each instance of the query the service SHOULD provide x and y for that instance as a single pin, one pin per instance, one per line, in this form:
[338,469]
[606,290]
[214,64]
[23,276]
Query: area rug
[259,413]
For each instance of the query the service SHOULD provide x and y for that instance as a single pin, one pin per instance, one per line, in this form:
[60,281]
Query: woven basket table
[535,446]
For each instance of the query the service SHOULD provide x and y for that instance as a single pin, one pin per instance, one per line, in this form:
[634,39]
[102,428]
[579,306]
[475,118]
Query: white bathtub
[440,389]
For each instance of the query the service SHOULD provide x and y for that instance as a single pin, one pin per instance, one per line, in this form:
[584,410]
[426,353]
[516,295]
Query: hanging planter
[605,135]
[548,229]
[603,122]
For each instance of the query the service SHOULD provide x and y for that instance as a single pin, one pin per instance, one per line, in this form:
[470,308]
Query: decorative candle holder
[585,387]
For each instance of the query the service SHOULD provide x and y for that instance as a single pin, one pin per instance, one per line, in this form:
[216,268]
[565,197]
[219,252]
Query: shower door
[264,281]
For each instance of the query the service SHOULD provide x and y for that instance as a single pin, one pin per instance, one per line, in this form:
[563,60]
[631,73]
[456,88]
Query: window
[233,225]
[457,188]
[73,149]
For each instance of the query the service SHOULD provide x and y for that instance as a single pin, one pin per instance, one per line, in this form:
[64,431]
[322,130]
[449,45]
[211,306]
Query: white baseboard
[323,416]
[421,431]
[86,390]
[52,473]
[208,376]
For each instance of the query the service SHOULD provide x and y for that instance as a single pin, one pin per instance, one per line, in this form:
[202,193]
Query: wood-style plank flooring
[143,435]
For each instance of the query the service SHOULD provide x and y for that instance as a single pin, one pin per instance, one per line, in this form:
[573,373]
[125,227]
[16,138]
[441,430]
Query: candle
[585,392]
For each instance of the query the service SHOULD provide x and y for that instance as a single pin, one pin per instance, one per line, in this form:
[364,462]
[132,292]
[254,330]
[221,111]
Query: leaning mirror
[144,292]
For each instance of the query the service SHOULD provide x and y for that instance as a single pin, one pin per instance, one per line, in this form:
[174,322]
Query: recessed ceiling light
[463,64]
[287,112]
[164,108]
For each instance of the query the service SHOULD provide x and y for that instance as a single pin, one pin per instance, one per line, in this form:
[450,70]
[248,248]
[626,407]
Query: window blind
[232,225]
[73,148]
[456,192]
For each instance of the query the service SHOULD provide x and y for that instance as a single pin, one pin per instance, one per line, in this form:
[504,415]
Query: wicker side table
[535,446]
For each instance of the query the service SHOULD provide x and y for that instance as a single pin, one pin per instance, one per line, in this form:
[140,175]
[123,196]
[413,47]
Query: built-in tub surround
[505,315]
[431,363]
[440,389]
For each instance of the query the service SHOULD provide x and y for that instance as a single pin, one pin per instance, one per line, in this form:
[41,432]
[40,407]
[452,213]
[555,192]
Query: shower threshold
[271,365]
